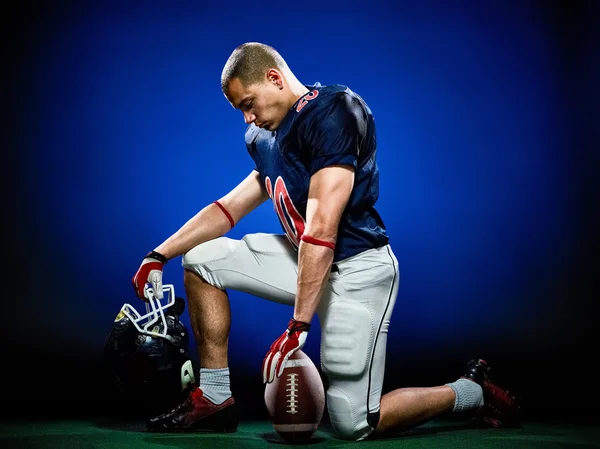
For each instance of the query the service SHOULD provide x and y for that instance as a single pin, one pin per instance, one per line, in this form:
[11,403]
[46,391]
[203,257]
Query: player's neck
[297,89]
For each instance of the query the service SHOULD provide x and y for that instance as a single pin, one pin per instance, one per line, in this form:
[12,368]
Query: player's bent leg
[263,265]
[347,340]
[205,409]
[354,315]
[408,407]
[260,264]
[210,317]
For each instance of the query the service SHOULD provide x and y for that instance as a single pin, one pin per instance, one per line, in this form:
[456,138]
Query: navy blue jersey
[330,125]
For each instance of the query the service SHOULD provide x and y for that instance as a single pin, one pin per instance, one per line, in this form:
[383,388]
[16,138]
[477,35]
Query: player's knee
[192,279]
[199,261]
[209,252]
[348,421]
[346,343]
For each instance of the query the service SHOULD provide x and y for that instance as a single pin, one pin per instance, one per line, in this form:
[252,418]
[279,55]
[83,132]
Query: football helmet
[146,354]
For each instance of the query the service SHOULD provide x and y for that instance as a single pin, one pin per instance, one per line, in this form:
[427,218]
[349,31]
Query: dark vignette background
[114,132]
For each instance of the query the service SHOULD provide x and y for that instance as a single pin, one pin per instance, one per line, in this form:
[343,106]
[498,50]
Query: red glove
[282,349]
[150,271]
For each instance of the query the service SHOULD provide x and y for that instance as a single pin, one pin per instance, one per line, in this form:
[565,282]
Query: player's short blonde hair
[249,62]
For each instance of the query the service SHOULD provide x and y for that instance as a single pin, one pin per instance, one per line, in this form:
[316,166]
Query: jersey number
[290,218]
[309,96]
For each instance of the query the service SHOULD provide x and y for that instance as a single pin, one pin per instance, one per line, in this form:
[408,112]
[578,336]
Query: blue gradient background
[122,134]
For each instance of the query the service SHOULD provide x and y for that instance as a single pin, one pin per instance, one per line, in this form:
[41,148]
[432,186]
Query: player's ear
[273,76]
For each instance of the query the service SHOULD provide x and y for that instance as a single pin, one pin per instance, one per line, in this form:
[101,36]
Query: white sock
[469,395]
[214,383]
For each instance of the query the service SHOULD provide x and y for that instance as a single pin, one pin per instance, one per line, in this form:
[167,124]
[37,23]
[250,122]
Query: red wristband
[227,214]
[314,241]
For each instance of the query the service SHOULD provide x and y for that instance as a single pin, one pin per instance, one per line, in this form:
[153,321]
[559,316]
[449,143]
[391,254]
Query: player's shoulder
[331,90]
[321,100]
[333,105]
[333,93]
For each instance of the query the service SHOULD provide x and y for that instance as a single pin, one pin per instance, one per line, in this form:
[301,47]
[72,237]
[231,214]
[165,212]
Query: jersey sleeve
[333,133]
[250,140]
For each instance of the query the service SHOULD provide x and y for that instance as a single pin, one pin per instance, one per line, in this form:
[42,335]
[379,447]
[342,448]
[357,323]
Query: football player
[314,149]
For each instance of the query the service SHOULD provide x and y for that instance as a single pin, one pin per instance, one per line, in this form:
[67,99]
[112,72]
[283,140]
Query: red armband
[227,214]
[314,241]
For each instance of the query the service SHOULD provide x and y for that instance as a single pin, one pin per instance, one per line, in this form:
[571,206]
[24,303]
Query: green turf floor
[102,433]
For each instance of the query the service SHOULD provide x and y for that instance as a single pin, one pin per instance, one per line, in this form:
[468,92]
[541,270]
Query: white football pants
[354,313]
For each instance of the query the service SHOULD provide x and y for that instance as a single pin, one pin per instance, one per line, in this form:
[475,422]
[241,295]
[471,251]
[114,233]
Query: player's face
[264,104]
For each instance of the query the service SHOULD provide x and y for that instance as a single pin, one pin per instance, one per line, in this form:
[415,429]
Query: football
[296,400]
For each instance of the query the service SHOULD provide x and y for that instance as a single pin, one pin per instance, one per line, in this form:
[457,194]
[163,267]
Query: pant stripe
[377,334]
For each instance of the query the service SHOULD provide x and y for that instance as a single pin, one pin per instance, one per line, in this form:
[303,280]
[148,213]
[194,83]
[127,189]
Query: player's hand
[282,349]
[150,271]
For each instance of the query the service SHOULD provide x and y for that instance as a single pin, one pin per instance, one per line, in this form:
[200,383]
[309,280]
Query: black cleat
[500,408]
[197,414]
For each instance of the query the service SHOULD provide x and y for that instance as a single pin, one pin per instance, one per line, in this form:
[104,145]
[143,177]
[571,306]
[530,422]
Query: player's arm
[332,135]
[329,191]
[213,221]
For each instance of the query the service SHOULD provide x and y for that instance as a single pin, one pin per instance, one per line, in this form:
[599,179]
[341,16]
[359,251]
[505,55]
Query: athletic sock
[469,395]
[214,383]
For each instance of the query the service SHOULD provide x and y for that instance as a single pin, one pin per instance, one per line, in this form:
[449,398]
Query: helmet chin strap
[150,323]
